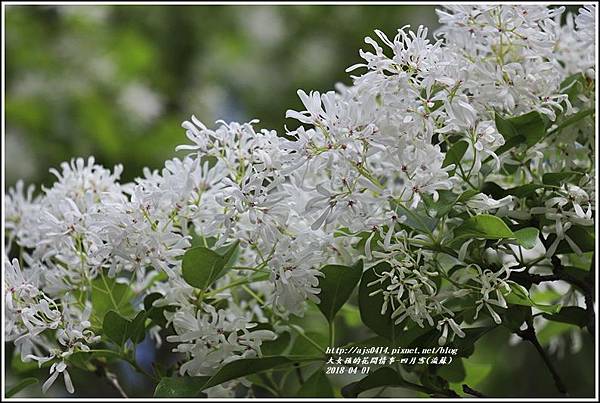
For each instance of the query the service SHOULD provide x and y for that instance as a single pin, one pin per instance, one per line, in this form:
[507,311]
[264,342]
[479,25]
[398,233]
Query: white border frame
[233,3]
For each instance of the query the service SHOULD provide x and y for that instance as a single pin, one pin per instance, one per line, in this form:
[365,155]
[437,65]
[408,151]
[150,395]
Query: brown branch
[471,391]
[529,335]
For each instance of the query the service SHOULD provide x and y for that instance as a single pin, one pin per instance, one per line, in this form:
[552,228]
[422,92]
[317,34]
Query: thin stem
[465,178]
[112,378]
[253,294]
[471,391]
[137,367]
[299,373]
[236,283]
[331,334]
[254,269]
[300,332]
[529,335]
[271,387]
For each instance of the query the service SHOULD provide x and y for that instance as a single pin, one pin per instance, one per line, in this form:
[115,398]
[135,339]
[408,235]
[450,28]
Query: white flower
[55,370]
[211,338]
[482,202]
[586,25]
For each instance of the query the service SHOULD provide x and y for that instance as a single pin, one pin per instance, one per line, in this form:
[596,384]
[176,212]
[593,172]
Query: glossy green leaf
[317,385]
[558,178]
[453,372]
[483,226]
[573,315]
[108,295]
[509,144]
[382,377]
[120,329]
[24,367]
[529,128]
[243,367]
[156,313]
[497,192]
[370,305]
[185,386]
[192,386]
[277,346]
[573,85]
[527,237]
[202,266]
[337,286]
[574,118]
[519,296]
[515,316]
[582,236]
[415,218]
[455,153]
[446,201]
[115,327]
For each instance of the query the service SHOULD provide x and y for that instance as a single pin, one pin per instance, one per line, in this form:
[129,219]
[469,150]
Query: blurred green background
[117,81]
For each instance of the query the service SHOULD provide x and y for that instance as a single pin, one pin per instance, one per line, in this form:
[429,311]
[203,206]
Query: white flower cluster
[298,201]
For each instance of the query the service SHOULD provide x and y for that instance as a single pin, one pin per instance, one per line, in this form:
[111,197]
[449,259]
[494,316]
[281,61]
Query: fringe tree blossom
[394,170]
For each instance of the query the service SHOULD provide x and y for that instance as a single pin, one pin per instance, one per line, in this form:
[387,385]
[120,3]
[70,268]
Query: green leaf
[416,219]
[552,330]
[156,313]
[483,226]
[505,128]
[498,192]
[382,377]
[136,330]
[467,195]
[455,153]
[446,201]
[317,385]
[520,296]
[574,118]
[243,367]
[527,237]
[573,86]
[493,189]
[476,372]
[20,386]
[202,266]
[370,306]
[277,346]
[108,295]
[524,190]
[229,253]
[573,315]
[515,315]
[529,128]
[115,327]
[454,372]
[24,367]
[584,239]
[180,386]
[337,286]
[508,144]
[466,345]
[119,329]
[558,178]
